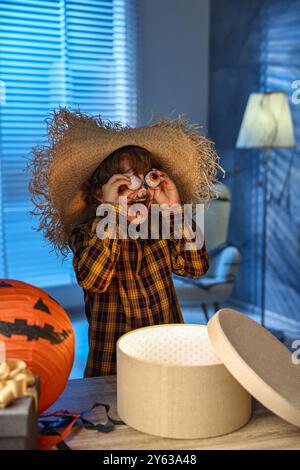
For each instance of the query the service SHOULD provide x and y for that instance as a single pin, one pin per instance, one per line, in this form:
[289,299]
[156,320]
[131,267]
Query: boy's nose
[143,182]
[142,191]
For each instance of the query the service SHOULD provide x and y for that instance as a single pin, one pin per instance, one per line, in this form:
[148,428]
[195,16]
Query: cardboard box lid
[259,361]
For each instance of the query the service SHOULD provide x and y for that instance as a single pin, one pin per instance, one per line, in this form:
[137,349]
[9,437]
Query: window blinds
[71,52]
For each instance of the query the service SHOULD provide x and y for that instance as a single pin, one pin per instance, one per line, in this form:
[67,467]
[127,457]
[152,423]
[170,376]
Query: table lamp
[267,123]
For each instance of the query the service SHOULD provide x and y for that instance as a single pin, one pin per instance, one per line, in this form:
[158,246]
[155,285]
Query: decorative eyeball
[152,179]
[136,183]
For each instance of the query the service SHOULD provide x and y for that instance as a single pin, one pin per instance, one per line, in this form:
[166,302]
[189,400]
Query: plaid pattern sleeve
[95,259]
[187,259]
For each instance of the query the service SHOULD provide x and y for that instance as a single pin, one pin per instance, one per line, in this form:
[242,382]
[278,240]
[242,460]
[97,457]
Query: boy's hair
[141,161]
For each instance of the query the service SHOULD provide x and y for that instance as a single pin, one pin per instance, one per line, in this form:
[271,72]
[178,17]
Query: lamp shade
[267,122]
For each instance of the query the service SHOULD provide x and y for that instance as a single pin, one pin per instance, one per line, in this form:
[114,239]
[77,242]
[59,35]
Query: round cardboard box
[171,384]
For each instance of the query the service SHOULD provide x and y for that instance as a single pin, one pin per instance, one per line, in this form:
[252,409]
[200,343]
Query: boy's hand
[110,190]
[166,192]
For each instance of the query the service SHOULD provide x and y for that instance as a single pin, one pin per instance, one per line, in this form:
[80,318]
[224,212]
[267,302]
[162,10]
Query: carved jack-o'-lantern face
[36,329]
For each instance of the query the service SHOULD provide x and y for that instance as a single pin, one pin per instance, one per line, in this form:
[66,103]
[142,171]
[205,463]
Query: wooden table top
[264,431]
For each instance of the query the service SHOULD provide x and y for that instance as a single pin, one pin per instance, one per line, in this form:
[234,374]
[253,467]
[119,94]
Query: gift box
[19,392]
[18,425]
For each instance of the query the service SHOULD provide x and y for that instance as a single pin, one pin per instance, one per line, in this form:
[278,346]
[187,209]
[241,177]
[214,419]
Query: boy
[127,283]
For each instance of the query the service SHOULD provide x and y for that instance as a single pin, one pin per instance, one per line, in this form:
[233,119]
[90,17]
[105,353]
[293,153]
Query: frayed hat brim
[78,143]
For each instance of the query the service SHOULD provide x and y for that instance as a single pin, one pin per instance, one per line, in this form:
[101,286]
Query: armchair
[217,284]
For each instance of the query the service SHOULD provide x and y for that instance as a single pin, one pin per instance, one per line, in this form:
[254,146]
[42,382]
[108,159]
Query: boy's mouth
[141,200]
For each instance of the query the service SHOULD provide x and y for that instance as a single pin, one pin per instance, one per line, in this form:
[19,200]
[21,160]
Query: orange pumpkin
[36,329]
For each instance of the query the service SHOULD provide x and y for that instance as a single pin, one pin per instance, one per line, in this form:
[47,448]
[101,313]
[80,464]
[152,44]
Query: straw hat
[78,143]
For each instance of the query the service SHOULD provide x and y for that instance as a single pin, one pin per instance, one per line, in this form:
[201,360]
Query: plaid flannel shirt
[128,284]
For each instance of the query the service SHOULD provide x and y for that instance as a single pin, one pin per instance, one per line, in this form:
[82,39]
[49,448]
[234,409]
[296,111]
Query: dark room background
[255,46]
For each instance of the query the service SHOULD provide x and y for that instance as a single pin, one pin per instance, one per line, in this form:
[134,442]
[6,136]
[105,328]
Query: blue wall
[173,55]
[255,46]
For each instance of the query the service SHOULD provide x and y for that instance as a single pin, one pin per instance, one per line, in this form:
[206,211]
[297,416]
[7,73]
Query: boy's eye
[135,182]
[152,179]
